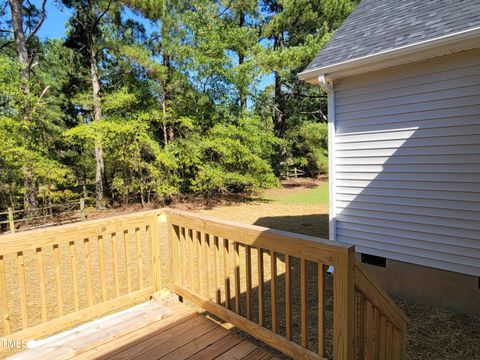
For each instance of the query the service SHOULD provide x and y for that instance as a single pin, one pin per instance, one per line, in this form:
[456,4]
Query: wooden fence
[65,212]
[270,284]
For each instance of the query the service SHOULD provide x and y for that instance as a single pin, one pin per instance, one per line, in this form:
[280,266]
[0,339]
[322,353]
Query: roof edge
[311,76]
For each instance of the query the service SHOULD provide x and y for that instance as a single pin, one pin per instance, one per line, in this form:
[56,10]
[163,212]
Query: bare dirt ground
[433,333]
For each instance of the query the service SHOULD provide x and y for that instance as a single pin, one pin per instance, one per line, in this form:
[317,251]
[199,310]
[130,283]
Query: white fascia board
[388,57]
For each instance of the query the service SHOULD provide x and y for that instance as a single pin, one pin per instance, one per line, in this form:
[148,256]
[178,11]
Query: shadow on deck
[152,330]
[270,284]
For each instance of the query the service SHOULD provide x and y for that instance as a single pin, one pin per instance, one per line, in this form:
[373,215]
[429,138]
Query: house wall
[407,162]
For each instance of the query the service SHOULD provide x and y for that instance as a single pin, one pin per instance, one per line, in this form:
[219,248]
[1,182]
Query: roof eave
[392,57]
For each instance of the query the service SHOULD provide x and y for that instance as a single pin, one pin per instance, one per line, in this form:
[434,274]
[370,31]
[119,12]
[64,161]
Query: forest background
[152,100]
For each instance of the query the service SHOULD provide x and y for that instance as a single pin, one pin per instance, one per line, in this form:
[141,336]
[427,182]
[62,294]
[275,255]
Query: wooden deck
[147,331]
[56,278]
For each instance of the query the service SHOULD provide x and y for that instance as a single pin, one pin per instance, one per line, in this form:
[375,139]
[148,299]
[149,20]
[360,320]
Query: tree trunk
[20,43]
[241,59]
[97,116]
[169,133]
[278,112]
[169,129]
[30,202]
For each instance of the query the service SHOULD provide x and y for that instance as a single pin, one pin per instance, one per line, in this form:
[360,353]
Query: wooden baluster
[377,333]
[261,291]
[248,265]
[116,278]
[73,261]
[191,256]
[4,298]
[58,278]
[206,240]
[396,344]
[273,281]
[288,297]
[138,246]
[370,332]
[383,338]
[218,290]
[103,275]
[175,273]
[182,261]
[236,260]
[128,262]
[23,290]
[303,302]
[321,310]
[201,269]
[41,277]
[389,340]
[88,270]
[150,251]
[226,272]
[360,324]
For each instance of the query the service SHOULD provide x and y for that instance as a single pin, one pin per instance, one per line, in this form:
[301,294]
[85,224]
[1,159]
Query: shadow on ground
[312,224]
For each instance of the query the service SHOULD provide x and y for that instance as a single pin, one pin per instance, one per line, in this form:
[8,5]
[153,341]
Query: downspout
[327,86]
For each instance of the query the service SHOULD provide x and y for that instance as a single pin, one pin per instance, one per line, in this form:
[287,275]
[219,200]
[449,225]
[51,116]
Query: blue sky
[57,16]
[54,25]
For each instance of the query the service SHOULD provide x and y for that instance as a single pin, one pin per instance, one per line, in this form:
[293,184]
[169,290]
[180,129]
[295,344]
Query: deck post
[158,233]
[11,222]
[344,305]
[173,240]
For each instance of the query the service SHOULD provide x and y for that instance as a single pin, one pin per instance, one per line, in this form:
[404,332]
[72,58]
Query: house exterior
[403,83]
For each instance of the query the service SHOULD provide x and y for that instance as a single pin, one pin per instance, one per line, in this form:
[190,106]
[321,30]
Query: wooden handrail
[193,231]
[381,326]
[58,265]
[366,324]
[207,260]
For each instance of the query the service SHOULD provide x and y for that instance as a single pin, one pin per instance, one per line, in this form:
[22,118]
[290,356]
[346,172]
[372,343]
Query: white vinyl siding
[407,162]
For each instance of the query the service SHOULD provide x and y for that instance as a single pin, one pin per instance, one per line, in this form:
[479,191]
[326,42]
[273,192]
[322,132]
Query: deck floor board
[143,334]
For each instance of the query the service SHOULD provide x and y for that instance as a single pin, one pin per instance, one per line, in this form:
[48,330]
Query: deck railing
[271,284]
[54,278]
[207,267]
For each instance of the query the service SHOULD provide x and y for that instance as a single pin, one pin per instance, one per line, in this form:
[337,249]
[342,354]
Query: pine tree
[86,36]
[25,60]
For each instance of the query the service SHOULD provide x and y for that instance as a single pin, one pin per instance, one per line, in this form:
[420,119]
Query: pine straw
[433,333]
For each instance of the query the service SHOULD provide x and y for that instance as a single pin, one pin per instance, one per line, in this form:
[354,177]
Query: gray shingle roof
[379,25]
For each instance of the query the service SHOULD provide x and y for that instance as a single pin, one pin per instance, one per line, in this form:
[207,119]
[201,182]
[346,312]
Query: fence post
[82,209]
[344,305]
[11,223]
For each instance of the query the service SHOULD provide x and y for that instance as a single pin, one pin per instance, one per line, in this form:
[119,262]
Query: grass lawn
[432,334]
[300,206]
[304,196]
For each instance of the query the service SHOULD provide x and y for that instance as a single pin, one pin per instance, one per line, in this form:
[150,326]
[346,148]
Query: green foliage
[136,163]
[308,148]
[181,111]
[310,196]
[27,136]
[235,158]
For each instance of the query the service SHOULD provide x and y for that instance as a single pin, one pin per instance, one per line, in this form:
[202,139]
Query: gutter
[313,75]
